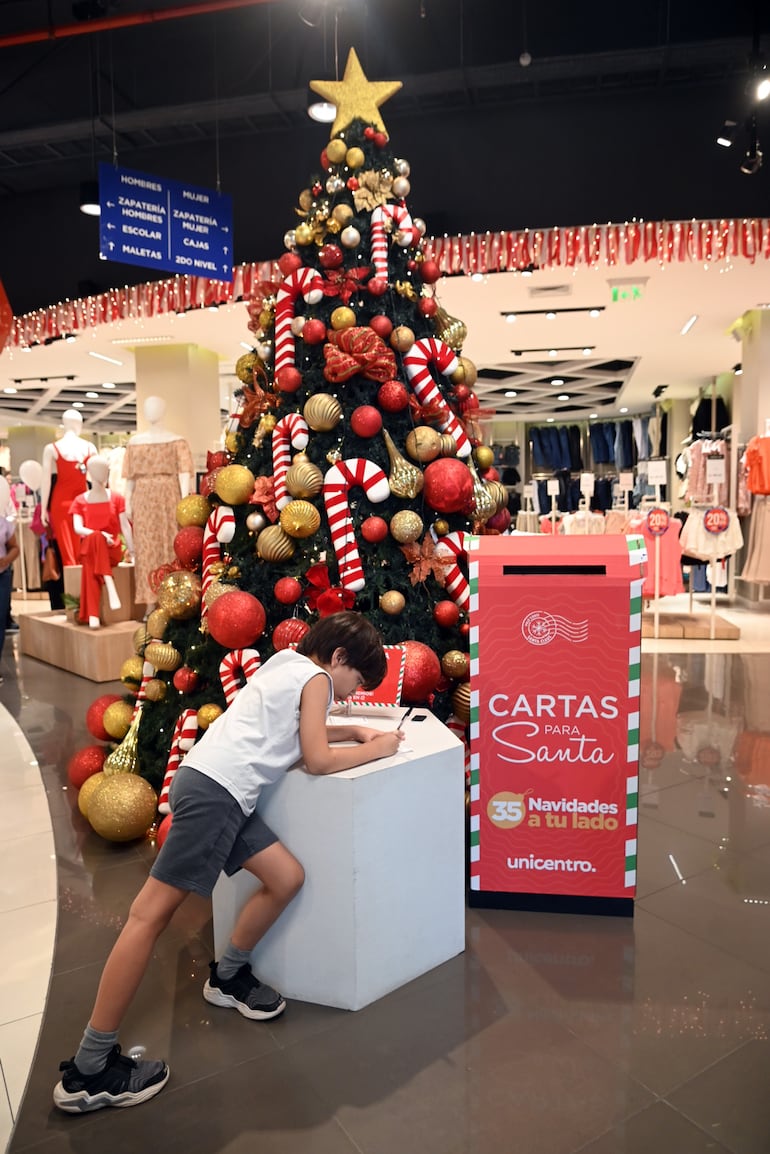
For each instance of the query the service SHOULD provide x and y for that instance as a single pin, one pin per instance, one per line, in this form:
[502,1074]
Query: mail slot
[555,658]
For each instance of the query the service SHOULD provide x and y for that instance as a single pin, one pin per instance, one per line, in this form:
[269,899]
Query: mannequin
[158,467]
[64,477]
[99,518]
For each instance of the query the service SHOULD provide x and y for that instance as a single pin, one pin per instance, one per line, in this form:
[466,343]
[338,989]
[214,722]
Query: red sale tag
[657,521]
[716,520]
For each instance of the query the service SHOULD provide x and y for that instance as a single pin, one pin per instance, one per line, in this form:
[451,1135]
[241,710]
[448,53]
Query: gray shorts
[209,833]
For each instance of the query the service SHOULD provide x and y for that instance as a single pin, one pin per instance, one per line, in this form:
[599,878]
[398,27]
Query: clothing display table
[383,847]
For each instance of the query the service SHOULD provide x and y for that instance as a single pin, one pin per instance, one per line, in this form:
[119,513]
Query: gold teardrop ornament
[450,330]
[124,758]
[405,480]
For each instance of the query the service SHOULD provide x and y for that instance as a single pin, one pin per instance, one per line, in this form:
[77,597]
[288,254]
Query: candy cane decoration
[339,480]
[183,739]
[220,529]
[291,431]
[148,672]
[305,282]
[416,362]
[406,234]
[452,545]
[245,661]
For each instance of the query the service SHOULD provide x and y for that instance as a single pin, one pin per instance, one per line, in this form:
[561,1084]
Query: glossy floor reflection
[551,1034]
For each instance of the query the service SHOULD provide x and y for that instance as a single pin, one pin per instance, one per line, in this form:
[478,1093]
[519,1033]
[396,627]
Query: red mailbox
[555,656]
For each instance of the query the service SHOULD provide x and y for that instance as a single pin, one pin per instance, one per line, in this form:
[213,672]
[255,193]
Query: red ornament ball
[289,262]
[330,256]
[499,522]
[85,763]
[461,392]
[162,831]
[381,325]
[314,332]
[188,545]
[324,159]
[377,286]
[186,679]
[351,183]
[448,486]
[366,421]
[471,402]
[369,132]
[374,529]
[236,619]
[287,590]
[289,632]
[490,474]
[288,379]
[427,306]
[380,139]
[317,189]
[465,629]
[430,272]
[392,396]
[446,614]
[95,713]
[422,672]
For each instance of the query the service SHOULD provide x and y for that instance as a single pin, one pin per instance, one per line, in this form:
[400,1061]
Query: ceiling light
[78,405]
[26,349]
[510,318]
[244,345]
[551,420]
[752,161]
[526,272]
[508,393]
[89,198]
[587,351]
[553,352]
[102,357]
[563,397]
[477,277]
[322,111]
[762,83]
[593,415]
[92,395]
[550,316]
[594,312]
[70,338]
[727,133]
[10,390]
[738,369]
[108,385]
[557,380]
[688,325]
[624,409]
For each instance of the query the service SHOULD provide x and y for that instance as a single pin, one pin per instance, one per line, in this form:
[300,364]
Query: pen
[403,719]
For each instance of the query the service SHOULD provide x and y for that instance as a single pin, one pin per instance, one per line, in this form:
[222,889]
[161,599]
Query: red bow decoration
[264,495]
[343,282]
[216,460]
[324,597]
[358,350]
[428,414]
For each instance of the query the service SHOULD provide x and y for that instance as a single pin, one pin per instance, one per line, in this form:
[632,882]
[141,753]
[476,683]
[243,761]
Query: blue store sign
[164,224]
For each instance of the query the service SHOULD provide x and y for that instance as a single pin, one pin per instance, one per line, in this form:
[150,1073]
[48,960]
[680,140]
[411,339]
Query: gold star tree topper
[354,96]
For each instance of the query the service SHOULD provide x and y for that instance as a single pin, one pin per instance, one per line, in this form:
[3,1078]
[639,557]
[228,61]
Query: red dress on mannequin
[96,556]
[70,482]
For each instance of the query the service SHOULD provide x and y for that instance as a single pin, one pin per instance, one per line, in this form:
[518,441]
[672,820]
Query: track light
[89,198]
[761,83]
[738,369]
[752,161]
[727,133]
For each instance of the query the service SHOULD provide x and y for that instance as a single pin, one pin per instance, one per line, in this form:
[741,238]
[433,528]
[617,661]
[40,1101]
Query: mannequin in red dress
[99,518]
[65,460]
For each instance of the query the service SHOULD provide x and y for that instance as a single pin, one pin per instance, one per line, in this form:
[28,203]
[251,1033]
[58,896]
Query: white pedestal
[383,848]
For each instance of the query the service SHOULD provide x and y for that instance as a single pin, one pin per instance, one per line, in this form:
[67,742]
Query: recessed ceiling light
[108,385]
[26,349]
[510,393]
[593,415]
[624,409]
[594,312]
[563,397]
[92,395]
[477,277]
[510,318]
[70,338]
[553,352]
[688,325]
[9,390]
[102,357]
[78,405]
[550,316]
[526,272]
[587,352]
[551,420]
[557,380]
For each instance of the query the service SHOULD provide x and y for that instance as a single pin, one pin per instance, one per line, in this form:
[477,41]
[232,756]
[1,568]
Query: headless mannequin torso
[66,460]
[100,547]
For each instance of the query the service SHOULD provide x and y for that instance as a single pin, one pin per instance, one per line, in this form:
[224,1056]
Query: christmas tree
[352,467]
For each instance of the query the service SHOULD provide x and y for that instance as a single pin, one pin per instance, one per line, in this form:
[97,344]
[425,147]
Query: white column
[187,378]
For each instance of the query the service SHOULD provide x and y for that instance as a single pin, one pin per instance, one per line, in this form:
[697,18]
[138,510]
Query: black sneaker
[243,993]
[123,1082]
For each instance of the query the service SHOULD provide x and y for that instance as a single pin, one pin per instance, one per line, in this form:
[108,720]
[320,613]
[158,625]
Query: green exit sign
[627,292]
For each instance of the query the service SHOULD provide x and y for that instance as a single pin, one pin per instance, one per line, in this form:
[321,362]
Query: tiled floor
[550,1034]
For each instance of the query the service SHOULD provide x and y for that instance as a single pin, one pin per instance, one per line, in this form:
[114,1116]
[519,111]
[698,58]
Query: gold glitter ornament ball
[157,624]
[322,412]
[401,339]
[466,373]
[484,456]
[303,233]
[300,519]
[336,150]
[274,544]
[234,484]
[392,602]
[192,510]
[215,589]
[179,595]
[123,807]
[155,689]
[131,672]
[163,656]
[440,527]
[303,478]
[343,214]
[406,526]
[117,719]
[423,444]
[244,367]
[342,318]
[207,715]
[354,158]
[461,702]
[455,664]
[87,790]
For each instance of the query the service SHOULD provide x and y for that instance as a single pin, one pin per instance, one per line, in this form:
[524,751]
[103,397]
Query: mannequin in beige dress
[158,468]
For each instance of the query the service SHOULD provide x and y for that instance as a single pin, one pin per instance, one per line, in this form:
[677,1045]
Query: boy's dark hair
[357,636]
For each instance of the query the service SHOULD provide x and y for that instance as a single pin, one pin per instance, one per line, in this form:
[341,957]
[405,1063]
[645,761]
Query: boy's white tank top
[256,739]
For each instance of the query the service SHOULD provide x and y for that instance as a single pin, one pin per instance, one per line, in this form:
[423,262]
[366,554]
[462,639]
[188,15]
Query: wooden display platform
[693,627]
[96,654]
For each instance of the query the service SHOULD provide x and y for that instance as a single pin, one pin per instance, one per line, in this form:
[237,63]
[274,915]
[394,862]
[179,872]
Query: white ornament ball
[420,225]
[401,187]
[264,350]
[256,522]
[350,237]
[402,166]
[290,239]
[297,325]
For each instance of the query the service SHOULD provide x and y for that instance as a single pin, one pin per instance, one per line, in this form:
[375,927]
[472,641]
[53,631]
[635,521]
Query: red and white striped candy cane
[148,672]
[220,529]
[185,732]
[399,214]
[338,482]
[417,360]
[305,282]
[245,661]
[291,431]
[452,545]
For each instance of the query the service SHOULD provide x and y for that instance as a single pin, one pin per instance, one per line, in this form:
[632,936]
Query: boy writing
[278,717]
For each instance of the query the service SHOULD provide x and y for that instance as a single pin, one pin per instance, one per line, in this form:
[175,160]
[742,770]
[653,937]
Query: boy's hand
[385,743]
